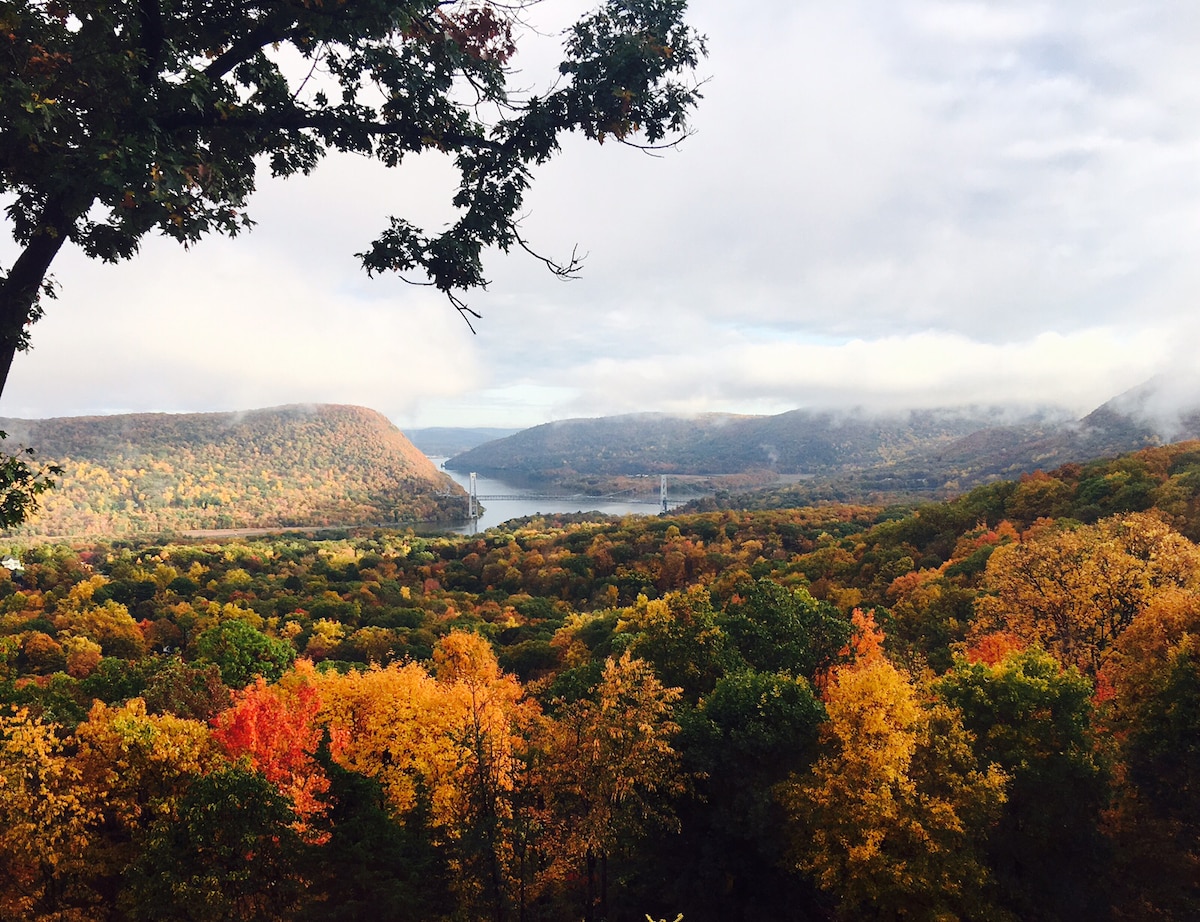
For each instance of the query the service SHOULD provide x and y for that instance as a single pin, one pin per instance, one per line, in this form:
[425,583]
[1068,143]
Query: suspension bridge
[474,497]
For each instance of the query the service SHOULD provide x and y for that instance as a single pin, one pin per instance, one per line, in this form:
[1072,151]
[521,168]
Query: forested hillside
[841,456]
[986,709]
[286,466]
[797,442]
[1163,477]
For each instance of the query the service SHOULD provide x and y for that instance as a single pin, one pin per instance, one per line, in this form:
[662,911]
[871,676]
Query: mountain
[798,442]
[447,441]
[279,467]
[846,455]
[1154,413]
[1168,406]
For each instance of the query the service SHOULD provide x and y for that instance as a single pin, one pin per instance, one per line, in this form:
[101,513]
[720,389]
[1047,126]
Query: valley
[803,456]
[345,467]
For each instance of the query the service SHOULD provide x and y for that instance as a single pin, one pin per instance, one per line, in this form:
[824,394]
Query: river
[497,511]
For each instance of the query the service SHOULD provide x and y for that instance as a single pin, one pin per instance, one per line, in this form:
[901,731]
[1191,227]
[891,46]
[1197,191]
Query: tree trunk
[19,290]
[604,886]
[590,907]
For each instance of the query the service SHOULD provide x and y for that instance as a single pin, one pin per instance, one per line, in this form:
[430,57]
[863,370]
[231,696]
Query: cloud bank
[906,203]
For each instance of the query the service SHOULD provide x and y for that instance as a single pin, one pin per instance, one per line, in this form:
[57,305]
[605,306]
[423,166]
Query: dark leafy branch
[124,118]
[21,483]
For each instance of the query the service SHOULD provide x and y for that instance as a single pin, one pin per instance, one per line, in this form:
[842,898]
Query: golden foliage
[388,724]
[891,815]
[1073,591]
[613,767]
[302,466]
[133,768]
[45,815]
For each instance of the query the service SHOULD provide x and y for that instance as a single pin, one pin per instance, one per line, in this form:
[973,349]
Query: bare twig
[463,310]
[567,271]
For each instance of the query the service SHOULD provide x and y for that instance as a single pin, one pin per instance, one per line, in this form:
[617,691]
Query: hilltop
[285,466]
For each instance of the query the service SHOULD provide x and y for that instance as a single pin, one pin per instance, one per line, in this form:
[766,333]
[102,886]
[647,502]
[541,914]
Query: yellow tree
[491,723]
[614,772]
[889,819]
[1073,591]
[141,760]
[388,724]
[45,823]
[133,768]
[450,751]
[107,623]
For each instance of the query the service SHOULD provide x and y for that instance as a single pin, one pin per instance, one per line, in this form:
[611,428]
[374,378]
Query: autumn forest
[805,703]
[981,709]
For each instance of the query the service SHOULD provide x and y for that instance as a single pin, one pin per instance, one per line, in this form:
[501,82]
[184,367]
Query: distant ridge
[848,455]
[797,442]
[290,466]
[447,441]
[1154,413]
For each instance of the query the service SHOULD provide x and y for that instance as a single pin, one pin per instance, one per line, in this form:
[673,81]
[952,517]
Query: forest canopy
[816,713]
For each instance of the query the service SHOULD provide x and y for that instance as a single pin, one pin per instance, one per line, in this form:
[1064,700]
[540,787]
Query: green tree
[186,690]
[374,867]
[1033,718]
[228,852]
[130,116]
[744,739]
[680,636]
[1154,716]
[785,630]
[241,652]
[21,483]
[1161,808]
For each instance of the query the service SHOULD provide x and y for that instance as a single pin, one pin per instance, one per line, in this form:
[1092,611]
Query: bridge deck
[581,498]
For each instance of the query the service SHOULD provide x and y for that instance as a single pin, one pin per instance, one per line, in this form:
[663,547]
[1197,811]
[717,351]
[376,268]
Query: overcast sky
[885,203]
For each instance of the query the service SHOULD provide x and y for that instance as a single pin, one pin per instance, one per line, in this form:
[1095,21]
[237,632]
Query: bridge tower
[663,493]
[473,499]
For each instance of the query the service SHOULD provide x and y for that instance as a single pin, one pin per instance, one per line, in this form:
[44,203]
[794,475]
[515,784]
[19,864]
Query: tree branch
[567,271]
[265,33]
[463,310]
[152,38]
